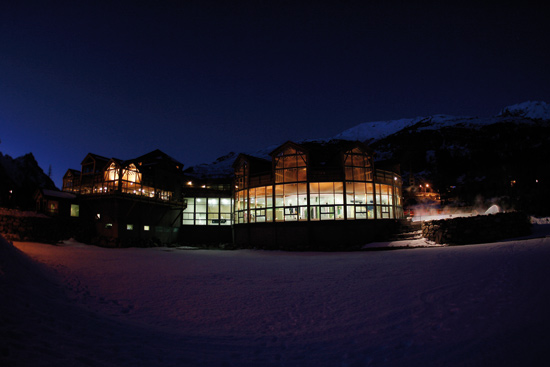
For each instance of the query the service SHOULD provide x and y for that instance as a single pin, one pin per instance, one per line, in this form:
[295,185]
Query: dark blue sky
[200,79]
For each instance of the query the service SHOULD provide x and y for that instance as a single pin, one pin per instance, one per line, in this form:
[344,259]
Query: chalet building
[56,203]
[132,202]
[314,195]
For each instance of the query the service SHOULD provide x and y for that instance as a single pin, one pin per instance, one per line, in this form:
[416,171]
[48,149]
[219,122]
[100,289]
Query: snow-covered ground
[79,305]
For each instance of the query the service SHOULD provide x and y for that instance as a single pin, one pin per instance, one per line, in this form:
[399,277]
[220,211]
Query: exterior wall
[124,221]
[313,236]
[206,236]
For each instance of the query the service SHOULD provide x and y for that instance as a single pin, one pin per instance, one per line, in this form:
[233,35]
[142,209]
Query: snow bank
[43,324]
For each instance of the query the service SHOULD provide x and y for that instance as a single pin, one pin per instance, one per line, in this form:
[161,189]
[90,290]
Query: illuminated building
[134,202]
[304,195]
[314,195]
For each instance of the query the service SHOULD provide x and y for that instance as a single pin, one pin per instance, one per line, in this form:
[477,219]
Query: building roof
[324,154]
[73,172]
[58,194]
[95,157]
[256,165]
[156,156]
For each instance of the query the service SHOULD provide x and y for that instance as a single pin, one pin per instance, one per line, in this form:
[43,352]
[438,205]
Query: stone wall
[478,229]
[28,226]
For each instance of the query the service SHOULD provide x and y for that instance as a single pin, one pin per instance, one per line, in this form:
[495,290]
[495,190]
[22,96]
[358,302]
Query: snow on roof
[58,194]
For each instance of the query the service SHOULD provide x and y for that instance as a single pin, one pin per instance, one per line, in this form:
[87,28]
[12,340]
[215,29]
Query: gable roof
[285,145]
[72,172]
[156,155]
[323,154]
[95,157]
[251,159]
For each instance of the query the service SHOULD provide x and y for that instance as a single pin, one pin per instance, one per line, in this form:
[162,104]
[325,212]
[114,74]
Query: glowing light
[190,183]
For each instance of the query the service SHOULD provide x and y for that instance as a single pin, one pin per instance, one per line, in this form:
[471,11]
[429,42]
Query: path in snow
[472,305]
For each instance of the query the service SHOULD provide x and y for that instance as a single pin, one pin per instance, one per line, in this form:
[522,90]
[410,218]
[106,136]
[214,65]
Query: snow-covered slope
[223,166]
[373,131]
[531,110]
[482,305]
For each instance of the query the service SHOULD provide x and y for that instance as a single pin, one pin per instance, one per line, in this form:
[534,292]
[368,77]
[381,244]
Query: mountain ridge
[372,132]
[376,130]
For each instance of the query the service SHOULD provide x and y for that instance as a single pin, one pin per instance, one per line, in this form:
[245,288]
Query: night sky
[200,79]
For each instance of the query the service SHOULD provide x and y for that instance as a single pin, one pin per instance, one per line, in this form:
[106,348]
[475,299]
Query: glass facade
[204,211]
[363,194]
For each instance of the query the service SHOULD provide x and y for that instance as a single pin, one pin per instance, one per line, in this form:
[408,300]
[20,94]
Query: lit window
[129,227]
[75,210]
[146,228]
[358,165]
[111,174]
[53,207]
[290,166]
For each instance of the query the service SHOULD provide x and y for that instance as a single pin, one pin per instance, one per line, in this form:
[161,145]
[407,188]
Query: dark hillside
[506,161]
[19,180]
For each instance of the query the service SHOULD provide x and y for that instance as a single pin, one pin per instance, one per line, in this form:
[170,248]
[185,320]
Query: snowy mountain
[529,110]
[469,159]
[223,166]
[372,131]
